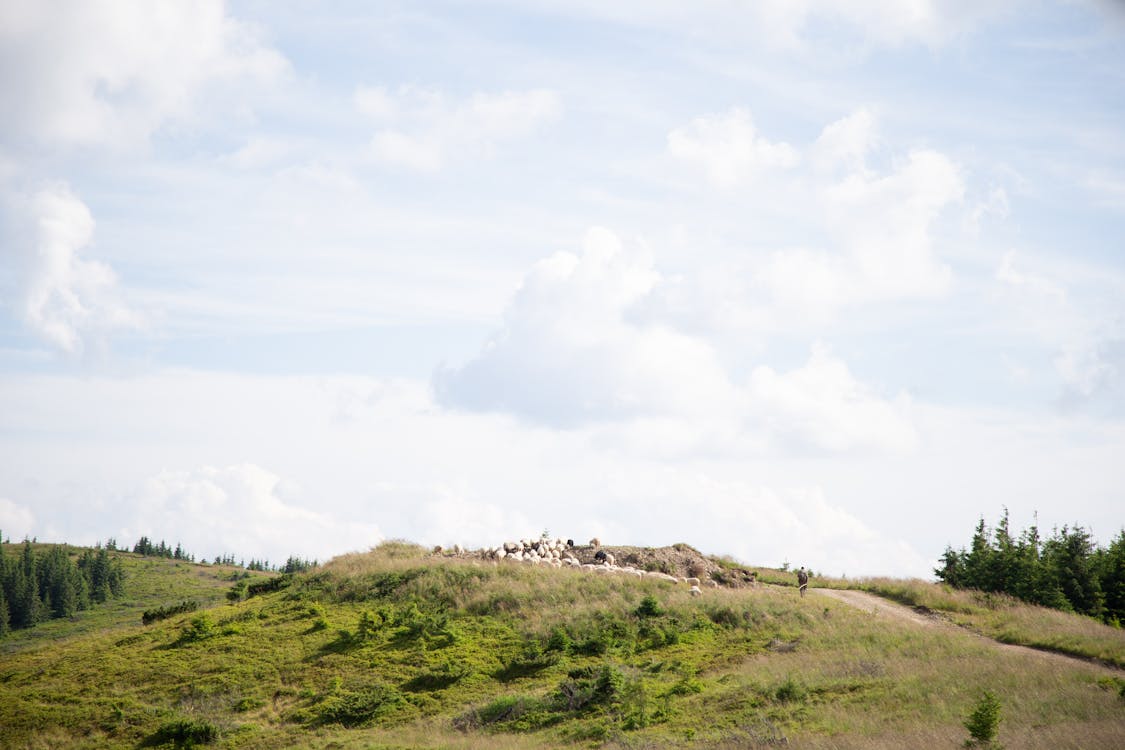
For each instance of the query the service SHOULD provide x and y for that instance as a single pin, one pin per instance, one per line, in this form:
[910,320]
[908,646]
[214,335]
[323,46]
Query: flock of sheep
[559,553]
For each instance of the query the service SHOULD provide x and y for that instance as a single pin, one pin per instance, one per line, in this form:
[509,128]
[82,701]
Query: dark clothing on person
[802,581]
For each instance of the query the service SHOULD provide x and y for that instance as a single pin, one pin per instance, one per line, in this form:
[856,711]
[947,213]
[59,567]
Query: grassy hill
[394,648]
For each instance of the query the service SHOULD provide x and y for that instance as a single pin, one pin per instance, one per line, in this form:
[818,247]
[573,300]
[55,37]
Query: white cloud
[568,352]
[821,404]
[16,521]
[728,148]
[1082,331]
[881,228]
[242,509]
[1084,369]
[1009,274]
[401,466]
[884,223]
[70,301]
[425,129]
[112,73]
[868,232]
[788,24]
[931,22]
[259,152]
[758,524]
[579,346]
[846,142]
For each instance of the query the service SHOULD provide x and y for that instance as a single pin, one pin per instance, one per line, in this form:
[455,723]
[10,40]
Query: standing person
[802,580]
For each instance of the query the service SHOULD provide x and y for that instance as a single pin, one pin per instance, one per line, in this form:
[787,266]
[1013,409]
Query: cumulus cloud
[16,521]
[245,510]
[846,143]
[112,73]
[821,404]
[425,129]
[68,300]
[868,231]
[728,148]
[578,346]
[884,224]
[568,352]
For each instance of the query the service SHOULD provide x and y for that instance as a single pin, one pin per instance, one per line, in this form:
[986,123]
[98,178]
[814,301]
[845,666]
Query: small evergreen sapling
[983,722]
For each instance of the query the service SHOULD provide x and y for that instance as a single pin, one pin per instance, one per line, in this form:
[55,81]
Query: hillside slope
[397,649]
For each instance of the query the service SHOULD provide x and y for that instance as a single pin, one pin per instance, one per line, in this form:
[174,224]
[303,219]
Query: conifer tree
[4,623]
[1111,572]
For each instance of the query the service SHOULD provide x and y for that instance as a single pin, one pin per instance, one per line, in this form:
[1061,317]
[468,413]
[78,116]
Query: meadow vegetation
[396,648]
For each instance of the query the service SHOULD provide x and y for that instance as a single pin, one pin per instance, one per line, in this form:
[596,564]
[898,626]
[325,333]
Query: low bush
[183,733]
[268,585]
[649,607]
[200,628]
[163,613]
[359,706]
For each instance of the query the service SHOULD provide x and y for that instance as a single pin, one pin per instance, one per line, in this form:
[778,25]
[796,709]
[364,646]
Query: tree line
[1067,570]
[144,546]
[49,583]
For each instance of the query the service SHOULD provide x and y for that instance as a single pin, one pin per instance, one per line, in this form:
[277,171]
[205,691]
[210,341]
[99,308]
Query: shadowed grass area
[397,649]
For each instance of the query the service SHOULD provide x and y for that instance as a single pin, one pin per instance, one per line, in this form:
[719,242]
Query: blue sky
[794,281]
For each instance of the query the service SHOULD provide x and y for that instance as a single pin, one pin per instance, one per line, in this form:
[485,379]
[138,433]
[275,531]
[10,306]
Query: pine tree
[1111,575]
[4,618]
[978,561]
[1069,555]
[28,605]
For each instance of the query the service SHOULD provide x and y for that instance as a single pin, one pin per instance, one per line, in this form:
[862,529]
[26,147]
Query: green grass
[393,649]
[150,583]
[1006,619]
[996,616]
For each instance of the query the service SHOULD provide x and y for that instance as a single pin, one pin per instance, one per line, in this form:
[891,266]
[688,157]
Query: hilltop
[399,647]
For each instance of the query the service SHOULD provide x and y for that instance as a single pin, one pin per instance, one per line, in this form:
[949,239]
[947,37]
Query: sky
[818,283]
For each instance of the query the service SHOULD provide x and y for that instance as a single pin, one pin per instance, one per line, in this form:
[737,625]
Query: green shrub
[237,592]
[559,640]
[369,625]
[790,691]
[726,617]
[163,613]
[983,722]
[686,686]
[530,660]
[183,733]
[268,585]
[358,707]
[649,607]
[438,678]
[200,628]
[515,711]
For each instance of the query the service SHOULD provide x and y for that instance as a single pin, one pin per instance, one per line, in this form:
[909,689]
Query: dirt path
[883,607]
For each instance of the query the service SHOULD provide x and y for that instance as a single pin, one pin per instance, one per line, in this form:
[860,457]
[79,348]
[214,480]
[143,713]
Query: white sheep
[595,542]
[695,591]
[694,582]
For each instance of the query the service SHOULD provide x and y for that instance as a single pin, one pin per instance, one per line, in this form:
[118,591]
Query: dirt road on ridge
[880,606]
